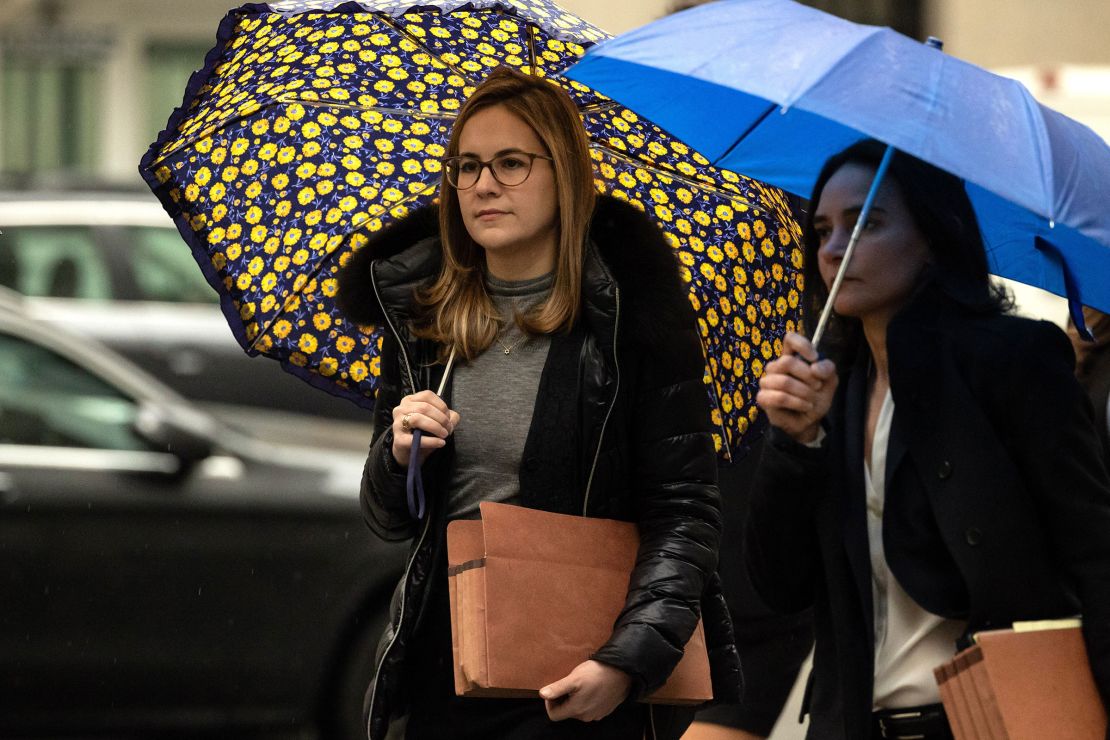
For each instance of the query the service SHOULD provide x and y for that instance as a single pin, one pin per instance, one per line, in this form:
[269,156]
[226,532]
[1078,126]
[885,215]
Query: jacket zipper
[612,403]
[427,519]
[400,618]
[392,328]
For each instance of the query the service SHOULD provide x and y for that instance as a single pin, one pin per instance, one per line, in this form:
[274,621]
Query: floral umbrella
[312,125]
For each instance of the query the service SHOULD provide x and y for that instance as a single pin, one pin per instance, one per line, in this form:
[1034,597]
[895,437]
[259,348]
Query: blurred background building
[86,85]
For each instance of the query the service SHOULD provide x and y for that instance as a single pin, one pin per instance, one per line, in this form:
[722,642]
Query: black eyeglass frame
[483,164]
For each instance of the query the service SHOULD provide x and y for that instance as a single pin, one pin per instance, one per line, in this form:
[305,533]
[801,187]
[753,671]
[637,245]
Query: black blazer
[997,508]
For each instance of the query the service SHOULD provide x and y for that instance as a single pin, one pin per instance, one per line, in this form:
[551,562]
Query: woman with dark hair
[937,475]
[579,392]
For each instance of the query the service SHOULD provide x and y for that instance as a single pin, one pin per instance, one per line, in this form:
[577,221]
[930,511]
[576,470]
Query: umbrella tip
[934,42]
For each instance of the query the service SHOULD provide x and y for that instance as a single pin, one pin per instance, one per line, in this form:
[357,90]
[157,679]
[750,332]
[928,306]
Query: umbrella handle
[414,480]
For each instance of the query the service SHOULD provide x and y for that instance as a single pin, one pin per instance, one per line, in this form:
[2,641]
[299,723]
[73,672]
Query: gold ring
[405,426]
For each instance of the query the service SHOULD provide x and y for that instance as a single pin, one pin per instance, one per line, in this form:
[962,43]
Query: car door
[185,339]
[136,287]
[100,578]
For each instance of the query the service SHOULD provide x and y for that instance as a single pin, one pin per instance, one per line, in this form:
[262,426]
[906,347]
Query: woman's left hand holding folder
[589,693]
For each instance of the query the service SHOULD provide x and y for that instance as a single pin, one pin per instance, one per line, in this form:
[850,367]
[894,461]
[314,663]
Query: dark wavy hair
[941,212]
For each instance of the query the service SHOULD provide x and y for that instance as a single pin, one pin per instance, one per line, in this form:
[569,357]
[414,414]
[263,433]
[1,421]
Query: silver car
[112,266]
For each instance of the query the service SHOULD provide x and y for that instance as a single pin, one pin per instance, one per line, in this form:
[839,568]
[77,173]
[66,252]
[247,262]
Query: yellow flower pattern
[307,131]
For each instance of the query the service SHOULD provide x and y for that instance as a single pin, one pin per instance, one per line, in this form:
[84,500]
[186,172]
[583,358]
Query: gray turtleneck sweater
[495,396]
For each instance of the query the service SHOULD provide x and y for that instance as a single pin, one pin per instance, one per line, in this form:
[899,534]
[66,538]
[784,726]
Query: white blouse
[909,641]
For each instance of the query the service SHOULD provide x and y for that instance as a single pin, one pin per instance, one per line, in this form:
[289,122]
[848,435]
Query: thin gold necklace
[508,348]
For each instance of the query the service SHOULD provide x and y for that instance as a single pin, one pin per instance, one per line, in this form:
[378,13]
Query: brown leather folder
[955,706]
[533,594]
[1030,685]
[968,667]
[986,703]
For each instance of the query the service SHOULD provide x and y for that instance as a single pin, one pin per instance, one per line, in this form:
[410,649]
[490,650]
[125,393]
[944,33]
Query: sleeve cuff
[783,442]
[818,440]
[392,467]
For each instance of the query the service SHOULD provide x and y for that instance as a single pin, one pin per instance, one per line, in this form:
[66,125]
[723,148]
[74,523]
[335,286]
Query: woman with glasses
[578,390]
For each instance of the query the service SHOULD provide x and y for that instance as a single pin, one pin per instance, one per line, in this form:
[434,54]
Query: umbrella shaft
[446,373]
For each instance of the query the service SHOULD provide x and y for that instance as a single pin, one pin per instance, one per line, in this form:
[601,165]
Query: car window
[165,269]
[46,399]
[54,262]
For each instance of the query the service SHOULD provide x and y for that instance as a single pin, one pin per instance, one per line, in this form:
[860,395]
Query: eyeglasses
[509,169]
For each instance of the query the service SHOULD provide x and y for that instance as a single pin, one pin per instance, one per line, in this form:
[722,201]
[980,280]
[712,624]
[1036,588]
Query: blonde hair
[456,311]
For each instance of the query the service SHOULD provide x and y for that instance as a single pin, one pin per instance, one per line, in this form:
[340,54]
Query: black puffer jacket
[619,430]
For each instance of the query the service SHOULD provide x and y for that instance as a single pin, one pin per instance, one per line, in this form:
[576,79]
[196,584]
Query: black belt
[911,723]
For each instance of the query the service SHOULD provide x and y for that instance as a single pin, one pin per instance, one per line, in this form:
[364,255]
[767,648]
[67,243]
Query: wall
[129,27]
[617,16]
[1001,33]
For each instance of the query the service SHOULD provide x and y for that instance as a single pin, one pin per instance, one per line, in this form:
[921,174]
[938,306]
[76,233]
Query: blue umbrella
[1040,181]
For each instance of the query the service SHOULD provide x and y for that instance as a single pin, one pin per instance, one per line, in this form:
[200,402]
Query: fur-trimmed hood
[626,248]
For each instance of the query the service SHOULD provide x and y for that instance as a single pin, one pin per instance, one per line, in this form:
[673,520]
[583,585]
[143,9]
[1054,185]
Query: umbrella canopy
[312,126]
[1039,181]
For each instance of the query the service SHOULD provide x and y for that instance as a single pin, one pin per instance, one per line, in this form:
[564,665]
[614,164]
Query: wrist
[615,675]
[392,464]
[810,436]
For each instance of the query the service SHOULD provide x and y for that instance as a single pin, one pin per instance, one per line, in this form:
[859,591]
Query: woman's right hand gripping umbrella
[797,389]
[427,412]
